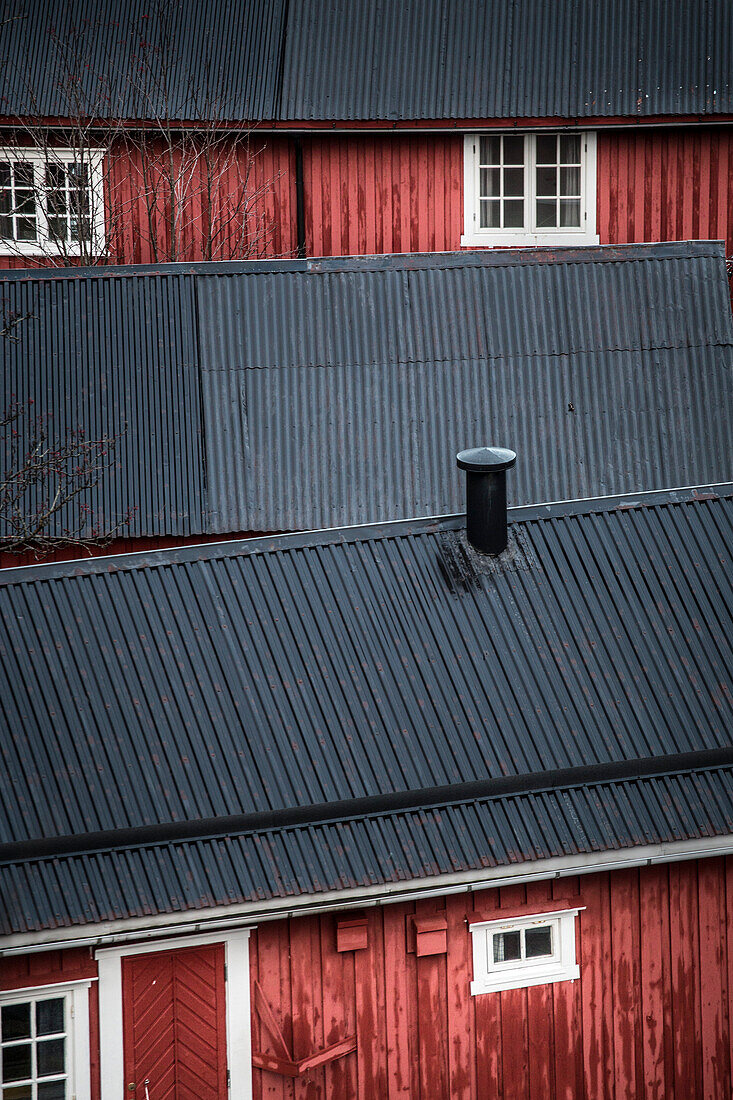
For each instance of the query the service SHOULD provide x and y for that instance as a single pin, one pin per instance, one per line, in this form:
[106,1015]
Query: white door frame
[238,1032]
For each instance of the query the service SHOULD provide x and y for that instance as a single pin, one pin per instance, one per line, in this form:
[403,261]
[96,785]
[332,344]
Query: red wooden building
[364,813]
[360,129]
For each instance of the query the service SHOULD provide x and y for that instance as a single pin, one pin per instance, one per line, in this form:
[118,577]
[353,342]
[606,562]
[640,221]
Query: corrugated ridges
[117,358]
[284,396]
[433,59]
[339,667]
[359,60]
[384,848]
[120,59]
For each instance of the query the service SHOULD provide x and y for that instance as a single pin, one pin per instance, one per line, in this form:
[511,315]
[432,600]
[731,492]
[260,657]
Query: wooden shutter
[174,1021]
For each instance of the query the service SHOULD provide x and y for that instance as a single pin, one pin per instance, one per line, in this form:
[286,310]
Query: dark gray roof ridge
[399,261]
[274,543]
[375,805]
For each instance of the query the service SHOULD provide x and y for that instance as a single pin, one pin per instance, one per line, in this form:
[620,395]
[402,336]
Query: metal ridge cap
[392,261]
[366,807]
[333,536]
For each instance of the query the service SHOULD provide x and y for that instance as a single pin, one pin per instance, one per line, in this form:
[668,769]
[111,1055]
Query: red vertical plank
[685,952]
[603,187]
[370,1012]
[720,228]
[487,1016]
[400,1004]
[625,967]
[461,1025]
[339,1012]
[514,1044]
[654,1003]
[307,998]
[716,1078]
[596,988]
[273,953]
[370,243]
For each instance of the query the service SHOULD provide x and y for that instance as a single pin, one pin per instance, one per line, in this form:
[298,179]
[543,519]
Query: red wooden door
[174,1024]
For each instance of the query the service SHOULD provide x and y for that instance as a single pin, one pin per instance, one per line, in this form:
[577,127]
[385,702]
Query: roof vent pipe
[486,468]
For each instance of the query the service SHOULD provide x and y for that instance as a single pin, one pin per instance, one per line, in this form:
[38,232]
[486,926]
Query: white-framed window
[51,202]
[44,1043]
[522,951]
[525,189]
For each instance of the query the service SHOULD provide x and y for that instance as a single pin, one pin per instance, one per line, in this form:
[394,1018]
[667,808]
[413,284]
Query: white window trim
[45,245]
[473,236]
[560,967]
[238,1028]
[78,1074]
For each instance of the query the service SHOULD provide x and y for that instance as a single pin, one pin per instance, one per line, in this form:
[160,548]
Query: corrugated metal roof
[291,395]
[433,59]
[381,848]
[273,674]
[361,59]
[130,59]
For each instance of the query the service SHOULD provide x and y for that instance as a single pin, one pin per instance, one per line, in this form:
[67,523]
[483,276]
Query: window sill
[527,240]
[521,981]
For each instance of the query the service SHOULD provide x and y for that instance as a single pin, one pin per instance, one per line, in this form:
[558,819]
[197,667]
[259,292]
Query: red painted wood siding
[174,1023]
[649,1018]
[380,193]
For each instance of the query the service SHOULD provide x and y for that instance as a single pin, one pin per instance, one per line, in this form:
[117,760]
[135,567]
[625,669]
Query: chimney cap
[486,460]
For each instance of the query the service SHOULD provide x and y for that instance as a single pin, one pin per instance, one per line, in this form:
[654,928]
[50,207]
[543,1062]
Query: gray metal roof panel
[350,60]
[302,670]
[390,848]
[435,59]
[121,59]
[285,395]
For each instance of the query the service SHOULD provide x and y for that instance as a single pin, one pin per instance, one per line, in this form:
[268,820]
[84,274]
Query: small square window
[531,950]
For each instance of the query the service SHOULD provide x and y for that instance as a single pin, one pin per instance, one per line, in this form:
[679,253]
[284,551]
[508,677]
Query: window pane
[569,212]
[514,150]
[537,942]
[50,1056]
[4,174]
[506,946]
[16,1021]
[547,148]
[26,229]
[57,228]
[490,180]
[490,150]
[490,214]
[17,1092]
[77,174]
[546,213]
[56,202]
[55,175]
[81,229]
[570,148]
[514,181]
[6,228]
[25,202]
[570,181]
[514,214]
[17,1062]
[24,175]
[546,181]
[50,1017]
[52,1090]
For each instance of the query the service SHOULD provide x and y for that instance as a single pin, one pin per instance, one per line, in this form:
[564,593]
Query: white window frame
[238,1027]
[473,236]
[489,977]
[76,1010]
[45,244]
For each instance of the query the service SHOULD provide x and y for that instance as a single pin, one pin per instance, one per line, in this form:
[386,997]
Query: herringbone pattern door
[175,1024]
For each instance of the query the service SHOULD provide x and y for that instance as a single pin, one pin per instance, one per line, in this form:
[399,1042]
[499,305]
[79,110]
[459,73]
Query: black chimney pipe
[486,468]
